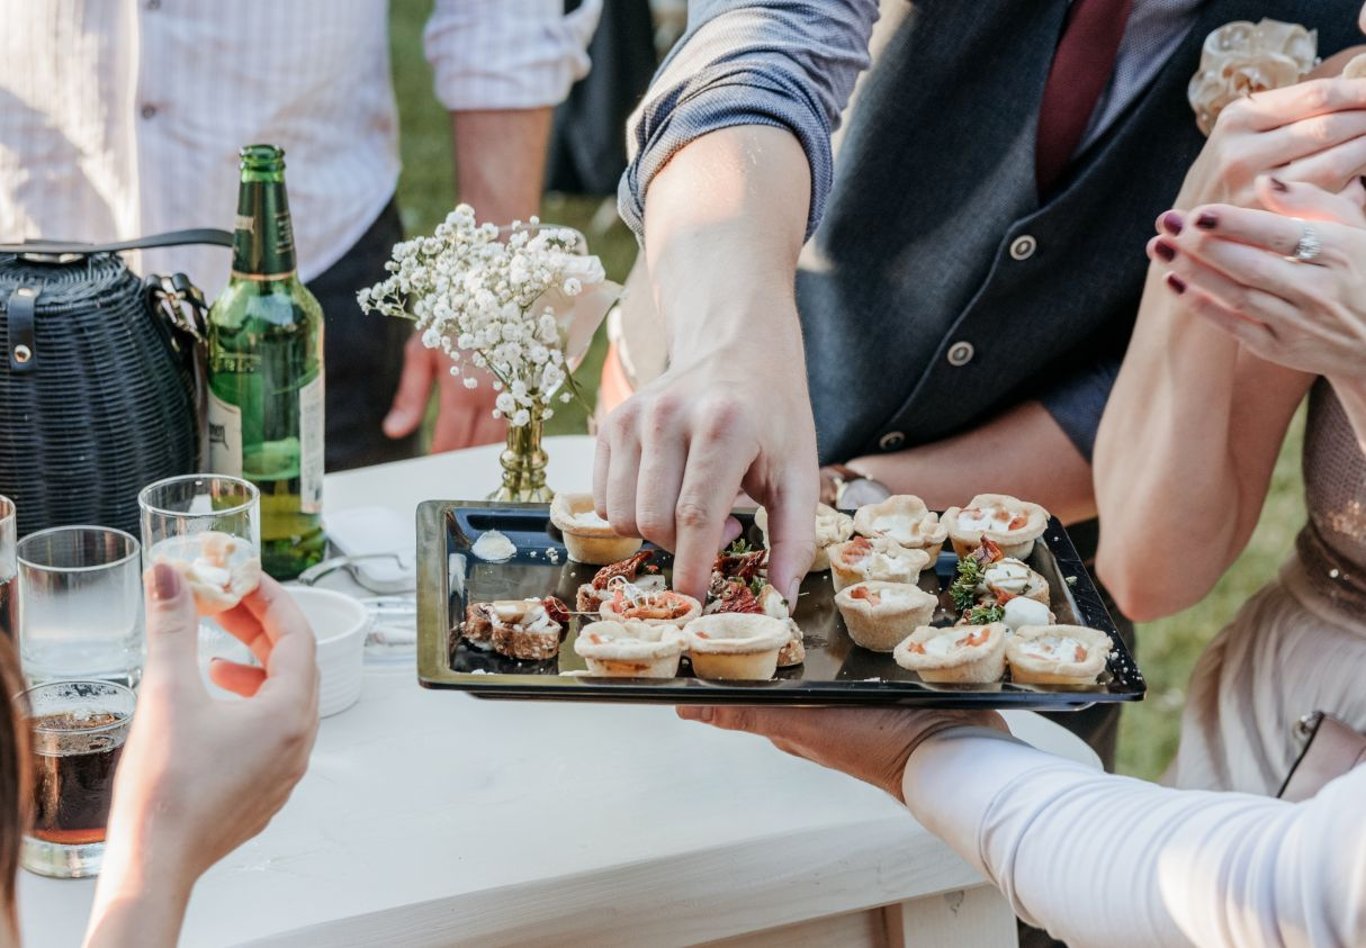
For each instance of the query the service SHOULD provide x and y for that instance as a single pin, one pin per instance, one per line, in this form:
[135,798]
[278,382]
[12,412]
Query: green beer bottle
[266,372]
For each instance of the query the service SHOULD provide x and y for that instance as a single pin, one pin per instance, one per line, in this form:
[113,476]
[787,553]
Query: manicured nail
[162,582]
[1172,222]
[1177,284]
[1208,220]
[1165,250]
[1277,184]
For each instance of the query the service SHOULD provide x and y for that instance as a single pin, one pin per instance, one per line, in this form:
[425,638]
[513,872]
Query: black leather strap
[23,350]
[199,235]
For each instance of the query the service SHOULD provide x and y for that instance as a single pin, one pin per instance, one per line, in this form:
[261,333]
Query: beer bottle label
[311,421]
[225,437]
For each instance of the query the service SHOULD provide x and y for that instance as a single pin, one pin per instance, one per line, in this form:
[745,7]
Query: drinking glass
[9,592]
[78,730]
[80,605]
[177,514]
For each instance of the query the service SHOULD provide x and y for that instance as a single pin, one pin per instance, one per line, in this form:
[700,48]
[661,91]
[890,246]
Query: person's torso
[1332,545]
[122,118]
[945,291]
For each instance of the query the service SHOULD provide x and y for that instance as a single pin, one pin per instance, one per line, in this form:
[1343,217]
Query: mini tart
[218,567]
[736,645]
[832,526]
[588,537]
[629,570]
[794,652]
[881,558]
[1007,578]
[1010,523]
[972,654]
[517,628]
[878,615]
[905,519]
[1057,654]
[629,649]
[666,607]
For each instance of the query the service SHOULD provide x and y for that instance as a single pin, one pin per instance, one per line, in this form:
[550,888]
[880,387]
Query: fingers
[172,628]
[1331,167]
[1214,222]
[1195,279]
[792,529]
[1276,108]
[464,416]
[1305,201]
[263,617]
[414,387]
[766,722]
[716,466]
[621,484]
[602,466]
[663,459]
[240,679]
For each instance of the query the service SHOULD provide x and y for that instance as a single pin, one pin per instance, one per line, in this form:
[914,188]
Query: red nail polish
[1172,223]
[1165,250]
[1278,185]
[1177,284]
[1207,220]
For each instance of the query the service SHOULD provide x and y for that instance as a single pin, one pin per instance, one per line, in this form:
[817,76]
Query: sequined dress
[1299,645]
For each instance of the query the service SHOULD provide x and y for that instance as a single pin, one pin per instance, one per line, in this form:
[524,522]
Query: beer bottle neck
[263,241]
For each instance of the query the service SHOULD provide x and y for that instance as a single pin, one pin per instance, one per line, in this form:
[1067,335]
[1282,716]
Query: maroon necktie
[1081,68]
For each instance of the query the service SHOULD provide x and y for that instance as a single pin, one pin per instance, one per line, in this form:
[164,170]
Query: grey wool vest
[947,292]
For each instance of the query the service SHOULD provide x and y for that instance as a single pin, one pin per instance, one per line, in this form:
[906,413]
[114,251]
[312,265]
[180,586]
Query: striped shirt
[121,118]
[794,64]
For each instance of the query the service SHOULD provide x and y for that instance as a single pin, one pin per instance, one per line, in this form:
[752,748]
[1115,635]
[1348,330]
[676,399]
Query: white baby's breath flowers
[488,303]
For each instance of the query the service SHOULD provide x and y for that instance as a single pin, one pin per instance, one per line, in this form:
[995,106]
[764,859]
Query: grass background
[1167,650]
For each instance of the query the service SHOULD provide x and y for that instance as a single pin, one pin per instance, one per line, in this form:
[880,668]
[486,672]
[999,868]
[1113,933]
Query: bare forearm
[500,161]
[137,903]
[1022,452]
[723,227]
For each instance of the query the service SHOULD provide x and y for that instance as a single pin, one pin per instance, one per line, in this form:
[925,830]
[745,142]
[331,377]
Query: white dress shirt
[1111,861]
[121,118]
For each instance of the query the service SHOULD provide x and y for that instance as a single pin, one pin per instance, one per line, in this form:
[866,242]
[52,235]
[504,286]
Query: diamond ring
[1308,247]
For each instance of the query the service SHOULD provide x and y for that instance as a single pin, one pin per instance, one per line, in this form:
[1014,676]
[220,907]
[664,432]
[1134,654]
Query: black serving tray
[836,671]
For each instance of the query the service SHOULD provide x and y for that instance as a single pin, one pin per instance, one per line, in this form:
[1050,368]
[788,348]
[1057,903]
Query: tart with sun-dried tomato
[1011,523]
[1057,654]
[880,558]
[973,654]
[629,649]
[878,615]
[905,519]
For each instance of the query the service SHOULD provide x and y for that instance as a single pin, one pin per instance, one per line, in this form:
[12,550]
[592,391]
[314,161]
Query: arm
[1024,452]
[1100,859]
[500,67]
[732,145]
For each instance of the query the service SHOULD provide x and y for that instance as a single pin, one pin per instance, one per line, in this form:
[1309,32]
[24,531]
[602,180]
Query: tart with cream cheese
[1020,612]
[736,645]
[1007,578]
[1057,654]
[629,649]
[878,615]
[974,654]
[880,558]
[832,526]
[905,519]
[526,629]
[1011,523]
[589,538]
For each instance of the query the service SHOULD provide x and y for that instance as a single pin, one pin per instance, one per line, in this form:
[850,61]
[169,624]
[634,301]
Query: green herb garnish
[984,614]
[964,588]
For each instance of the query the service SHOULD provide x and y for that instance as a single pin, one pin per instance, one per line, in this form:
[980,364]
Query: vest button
[1023,247]
[961,353]
[891,440]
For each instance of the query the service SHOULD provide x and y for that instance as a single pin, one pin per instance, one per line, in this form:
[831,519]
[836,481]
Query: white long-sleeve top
[1103,860]
[120,118]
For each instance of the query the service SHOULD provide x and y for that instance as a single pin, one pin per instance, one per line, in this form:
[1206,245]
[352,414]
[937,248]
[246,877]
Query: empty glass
[80,605]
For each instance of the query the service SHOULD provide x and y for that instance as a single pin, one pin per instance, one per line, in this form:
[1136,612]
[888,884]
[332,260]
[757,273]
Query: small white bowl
[340,625]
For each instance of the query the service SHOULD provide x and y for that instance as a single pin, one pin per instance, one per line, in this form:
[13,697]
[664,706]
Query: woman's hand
[199,776]
[1313,132]
[872,744]
[1234,267]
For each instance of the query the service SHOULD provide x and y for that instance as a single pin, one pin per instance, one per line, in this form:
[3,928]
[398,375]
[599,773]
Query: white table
[433,818]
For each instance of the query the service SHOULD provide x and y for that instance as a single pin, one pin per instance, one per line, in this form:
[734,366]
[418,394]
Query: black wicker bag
[101,382]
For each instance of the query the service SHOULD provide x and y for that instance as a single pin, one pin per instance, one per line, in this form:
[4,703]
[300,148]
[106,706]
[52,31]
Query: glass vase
[524,461]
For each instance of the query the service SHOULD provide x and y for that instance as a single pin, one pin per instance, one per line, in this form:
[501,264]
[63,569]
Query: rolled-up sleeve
[508,54]
[785,63]
[1077,401]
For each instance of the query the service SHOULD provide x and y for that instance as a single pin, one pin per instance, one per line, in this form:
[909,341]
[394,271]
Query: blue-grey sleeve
[1078,400]
[785,63]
